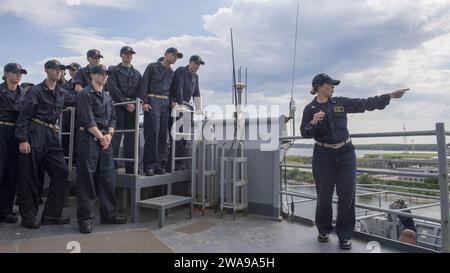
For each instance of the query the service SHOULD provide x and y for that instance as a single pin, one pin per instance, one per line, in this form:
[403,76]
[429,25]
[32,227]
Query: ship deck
[201,234]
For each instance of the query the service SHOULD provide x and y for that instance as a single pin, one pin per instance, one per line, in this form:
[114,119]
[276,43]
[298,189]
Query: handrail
[372,171]
[362,206]
[375,135]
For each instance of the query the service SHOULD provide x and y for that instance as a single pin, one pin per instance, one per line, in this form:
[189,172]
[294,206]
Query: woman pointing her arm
[334,160]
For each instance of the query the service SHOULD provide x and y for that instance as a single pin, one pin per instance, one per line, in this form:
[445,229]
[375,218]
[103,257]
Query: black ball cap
[323,78]
[73,66]
[14,68]
[197,59]
[94,53]
[54,64]
[100,69]
[127,49]
[173,50]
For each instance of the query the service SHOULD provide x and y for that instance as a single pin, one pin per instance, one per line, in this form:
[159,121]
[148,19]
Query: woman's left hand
[398,94]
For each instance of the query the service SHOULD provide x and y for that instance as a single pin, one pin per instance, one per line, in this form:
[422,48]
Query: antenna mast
[292,107]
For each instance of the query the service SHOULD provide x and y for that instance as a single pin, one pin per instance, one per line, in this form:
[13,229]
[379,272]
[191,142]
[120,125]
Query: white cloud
[372,45]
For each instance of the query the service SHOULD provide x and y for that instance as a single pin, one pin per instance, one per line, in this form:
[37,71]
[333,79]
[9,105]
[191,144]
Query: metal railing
[441,176]
[70,134]
[136,131]
[186,134]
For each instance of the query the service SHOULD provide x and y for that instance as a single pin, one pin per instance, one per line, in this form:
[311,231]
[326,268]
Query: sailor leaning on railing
[334,159]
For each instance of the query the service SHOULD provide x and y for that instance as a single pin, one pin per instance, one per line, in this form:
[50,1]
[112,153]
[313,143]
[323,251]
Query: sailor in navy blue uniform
[154,92]
[83,76]
[40,150]
[334,160]
[123,86]
[96,121]
[11,98]
[67,112]
[185,88]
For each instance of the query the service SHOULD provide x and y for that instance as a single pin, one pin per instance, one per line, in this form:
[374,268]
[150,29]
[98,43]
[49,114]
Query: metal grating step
[164,202]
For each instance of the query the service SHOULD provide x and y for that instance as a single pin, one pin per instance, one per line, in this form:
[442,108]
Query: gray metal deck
[207,233]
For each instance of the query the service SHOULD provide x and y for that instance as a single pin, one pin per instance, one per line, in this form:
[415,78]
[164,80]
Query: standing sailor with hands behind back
[334,160]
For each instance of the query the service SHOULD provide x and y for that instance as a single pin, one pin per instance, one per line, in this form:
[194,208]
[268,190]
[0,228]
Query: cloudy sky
[373,46]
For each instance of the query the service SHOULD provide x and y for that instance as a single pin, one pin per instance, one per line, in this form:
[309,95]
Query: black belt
[6,123]
[46,124]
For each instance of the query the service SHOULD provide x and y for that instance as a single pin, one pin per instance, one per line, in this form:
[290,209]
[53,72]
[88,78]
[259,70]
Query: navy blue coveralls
[41,110]
[10,106]
[95,166]
[336,166]
[184,88]
[69,86]
[157,80]
[123,85]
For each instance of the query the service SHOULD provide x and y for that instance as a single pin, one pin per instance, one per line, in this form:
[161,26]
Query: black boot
[85,227]
[345,244]
[31,223]
[10,218]
[323,238]
[149,172]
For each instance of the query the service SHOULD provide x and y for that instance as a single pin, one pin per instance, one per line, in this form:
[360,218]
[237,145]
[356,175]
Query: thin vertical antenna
[246,85]
[234,69]
[234,87]
[295,53]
